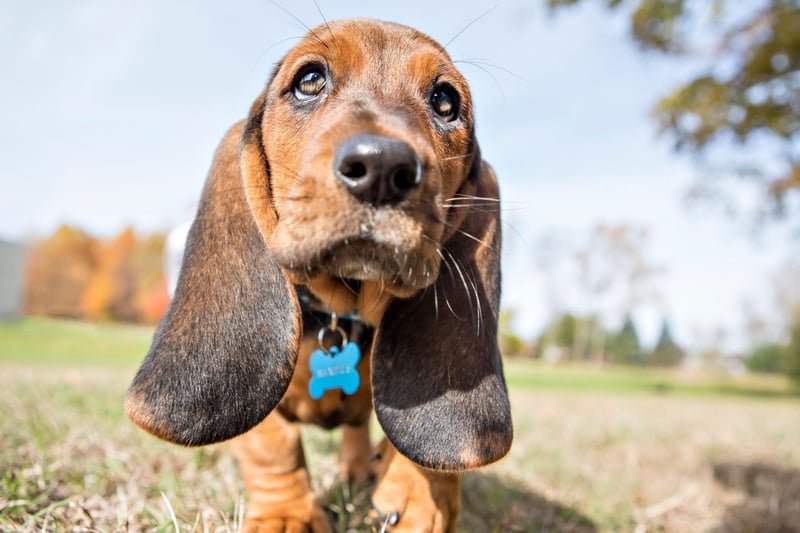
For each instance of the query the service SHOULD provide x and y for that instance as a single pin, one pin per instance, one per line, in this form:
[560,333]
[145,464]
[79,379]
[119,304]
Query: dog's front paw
[293,516]
[408,498]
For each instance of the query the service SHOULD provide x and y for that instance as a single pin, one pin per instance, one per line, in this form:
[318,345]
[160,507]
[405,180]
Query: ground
[594,450]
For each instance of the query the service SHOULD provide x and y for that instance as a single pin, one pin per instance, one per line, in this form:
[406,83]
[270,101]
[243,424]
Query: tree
[112,291]
[510,343]
[749,92]
[71,274]
[58,272]
[564,331]
[573,336]
[151,299]
[559,333]
[667,352]
[128,283]
[624,347]
[792,356]
[615,276]
[768,358]
[787,298]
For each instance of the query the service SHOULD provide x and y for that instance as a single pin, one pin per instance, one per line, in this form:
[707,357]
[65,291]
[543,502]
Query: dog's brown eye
[309,83]
[444,102]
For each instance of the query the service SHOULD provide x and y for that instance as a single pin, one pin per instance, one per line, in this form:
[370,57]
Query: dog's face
[368,131]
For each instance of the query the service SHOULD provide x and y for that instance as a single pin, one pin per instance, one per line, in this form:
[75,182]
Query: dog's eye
[309,83]
[444,101]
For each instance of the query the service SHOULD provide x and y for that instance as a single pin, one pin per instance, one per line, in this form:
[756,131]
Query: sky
[111,112]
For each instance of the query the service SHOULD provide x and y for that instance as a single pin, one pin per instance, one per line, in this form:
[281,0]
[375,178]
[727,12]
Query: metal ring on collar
[333,326]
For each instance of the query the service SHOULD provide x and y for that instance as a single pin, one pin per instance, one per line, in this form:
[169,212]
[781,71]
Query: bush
[769,358]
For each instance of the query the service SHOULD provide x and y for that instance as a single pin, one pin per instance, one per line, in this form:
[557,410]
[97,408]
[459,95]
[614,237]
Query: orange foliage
[153,304]
[73,275]
[59,270]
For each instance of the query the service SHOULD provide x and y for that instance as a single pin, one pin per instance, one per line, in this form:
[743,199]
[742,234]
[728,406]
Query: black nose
[377,170]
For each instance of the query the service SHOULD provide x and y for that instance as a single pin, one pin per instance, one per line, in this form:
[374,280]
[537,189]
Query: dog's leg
[409,498]
[274,469]
[356,453]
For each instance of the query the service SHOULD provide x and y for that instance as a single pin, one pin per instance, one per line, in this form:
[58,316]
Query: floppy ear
[224,353]
[437,376]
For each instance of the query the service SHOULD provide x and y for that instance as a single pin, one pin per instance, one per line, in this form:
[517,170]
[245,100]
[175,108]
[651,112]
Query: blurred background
[648,153]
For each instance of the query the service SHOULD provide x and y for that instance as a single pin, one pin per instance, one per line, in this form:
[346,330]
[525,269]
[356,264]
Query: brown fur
[231,354]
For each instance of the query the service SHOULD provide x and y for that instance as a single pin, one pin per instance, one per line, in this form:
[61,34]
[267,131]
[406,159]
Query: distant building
[12,268]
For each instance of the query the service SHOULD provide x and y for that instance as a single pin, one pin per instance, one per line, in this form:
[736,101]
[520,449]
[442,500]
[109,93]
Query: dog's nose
[376,169]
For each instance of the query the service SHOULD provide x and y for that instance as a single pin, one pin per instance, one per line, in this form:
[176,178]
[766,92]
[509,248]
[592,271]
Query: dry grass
[581,462]
[655,463]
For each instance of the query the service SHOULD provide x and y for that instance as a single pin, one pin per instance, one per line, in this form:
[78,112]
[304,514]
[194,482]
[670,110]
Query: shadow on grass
[711,389]
[492,503]
[771,502]
[489,504]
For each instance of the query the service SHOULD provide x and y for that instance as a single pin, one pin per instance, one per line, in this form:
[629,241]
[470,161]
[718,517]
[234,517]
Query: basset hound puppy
[345,256]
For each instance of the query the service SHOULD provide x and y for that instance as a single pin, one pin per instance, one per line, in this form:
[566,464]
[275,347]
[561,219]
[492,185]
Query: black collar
[316,315]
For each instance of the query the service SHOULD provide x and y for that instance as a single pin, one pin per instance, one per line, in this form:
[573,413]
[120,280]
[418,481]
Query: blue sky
[111,111]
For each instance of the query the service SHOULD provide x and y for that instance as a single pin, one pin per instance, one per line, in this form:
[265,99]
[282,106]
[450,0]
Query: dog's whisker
[463,279]
[466,234]
[325,20]
[465,28]
[473,197]
[488,73]
[475,62]
[310,31]
[455,157]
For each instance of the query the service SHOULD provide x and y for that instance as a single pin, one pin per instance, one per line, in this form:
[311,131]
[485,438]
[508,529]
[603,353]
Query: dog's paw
[301,516]
[356,464]
[409,513]
[408,498]
[357,470]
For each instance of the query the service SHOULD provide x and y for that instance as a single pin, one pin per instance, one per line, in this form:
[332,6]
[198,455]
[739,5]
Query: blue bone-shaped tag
[336,370]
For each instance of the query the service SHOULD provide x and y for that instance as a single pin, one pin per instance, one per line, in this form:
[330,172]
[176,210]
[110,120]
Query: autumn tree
[151,298]
[73,275]
[112,291]
[58,272]
[748,94]
[128,284]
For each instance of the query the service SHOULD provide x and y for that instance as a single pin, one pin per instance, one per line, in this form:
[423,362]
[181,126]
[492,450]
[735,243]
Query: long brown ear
[223,355]
[437,376]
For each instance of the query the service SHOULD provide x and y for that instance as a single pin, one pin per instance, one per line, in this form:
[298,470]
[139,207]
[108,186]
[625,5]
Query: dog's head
[368,130]
[357,162]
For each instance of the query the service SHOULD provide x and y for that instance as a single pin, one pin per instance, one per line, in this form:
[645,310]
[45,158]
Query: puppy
[345,257]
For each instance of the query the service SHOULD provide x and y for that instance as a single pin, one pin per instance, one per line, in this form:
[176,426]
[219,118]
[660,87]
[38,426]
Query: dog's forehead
[374,32]
[362,45]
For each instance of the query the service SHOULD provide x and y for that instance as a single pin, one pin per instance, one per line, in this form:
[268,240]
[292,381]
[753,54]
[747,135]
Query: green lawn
[595,450]
[39,341]
[534,375]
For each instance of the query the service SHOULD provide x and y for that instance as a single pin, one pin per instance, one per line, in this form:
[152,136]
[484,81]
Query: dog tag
[335,369]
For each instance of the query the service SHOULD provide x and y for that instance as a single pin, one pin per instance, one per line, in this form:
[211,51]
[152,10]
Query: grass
[38,342]
[595,450]
[533,375]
